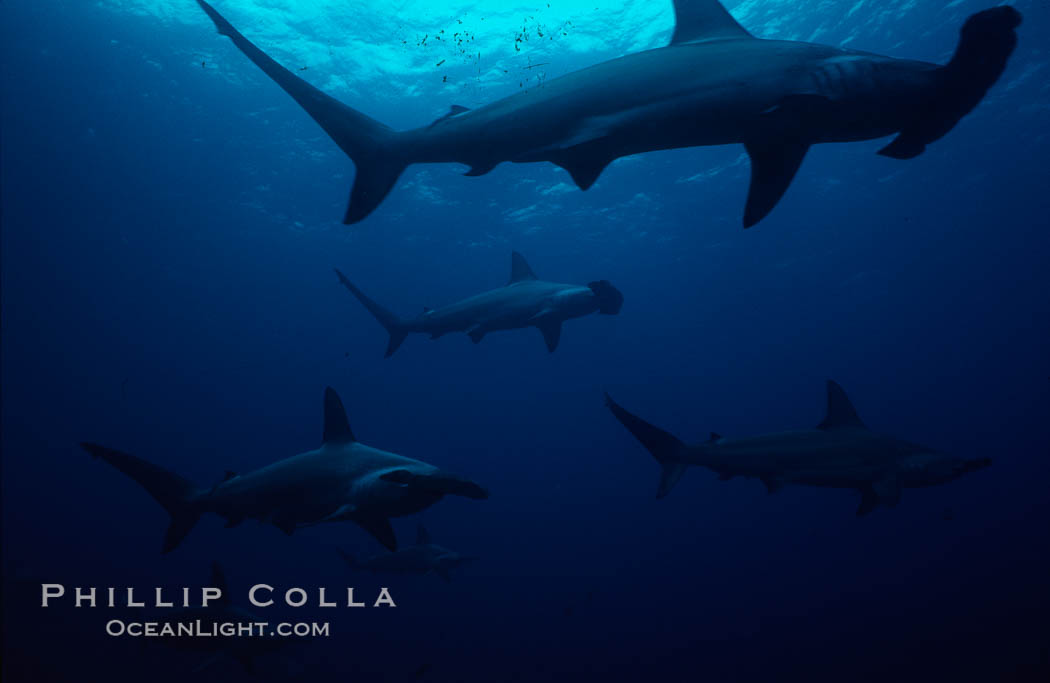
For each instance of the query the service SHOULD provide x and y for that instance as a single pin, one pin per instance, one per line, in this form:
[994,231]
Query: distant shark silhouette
[343,480]
[525,301]
[244,649]
[840,453]
[714,84]
[424,557]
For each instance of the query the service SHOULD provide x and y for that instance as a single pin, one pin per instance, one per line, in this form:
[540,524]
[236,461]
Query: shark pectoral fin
[773,166]
[551,330]
[584,166]
[698,20]
[380,529]
[443,573]
[454,110]
[868,500]
[671,472]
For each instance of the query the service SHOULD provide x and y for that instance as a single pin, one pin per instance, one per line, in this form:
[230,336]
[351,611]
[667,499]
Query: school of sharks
[713,84]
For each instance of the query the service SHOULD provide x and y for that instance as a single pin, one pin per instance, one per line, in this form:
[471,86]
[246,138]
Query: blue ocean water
[170,226]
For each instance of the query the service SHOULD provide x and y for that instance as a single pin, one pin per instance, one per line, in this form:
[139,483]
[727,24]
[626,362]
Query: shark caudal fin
[665,447]
[396,327]
[986,41]
[175,494]
[372,146]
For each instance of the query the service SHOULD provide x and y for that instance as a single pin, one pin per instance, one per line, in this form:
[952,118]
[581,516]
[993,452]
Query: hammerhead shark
[524,301]
[245,649]
[714,84]
[343,480]
[422,558]
[839,453]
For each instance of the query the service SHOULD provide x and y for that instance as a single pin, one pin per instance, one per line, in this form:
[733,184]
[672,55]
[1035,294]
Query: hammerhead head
[525,301]
[840,453]
[714,84]
[343,480]
[422,558]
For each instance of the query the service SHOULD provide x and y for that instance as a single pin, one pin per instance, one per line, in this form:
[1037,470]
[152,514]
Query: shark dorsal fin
[519,269]
[841,414]
[422,535]
[218,580]
[700,20]
[336,426]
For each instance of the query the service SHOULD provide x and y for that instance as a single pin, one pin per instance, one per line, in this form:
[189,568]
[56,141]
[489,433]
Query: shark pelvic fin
[670,473]
[336,426]
[773,167]
[841,413]
[519,269]
[551,330]
[868,500]
[443,573]
[700,20]
[422,535]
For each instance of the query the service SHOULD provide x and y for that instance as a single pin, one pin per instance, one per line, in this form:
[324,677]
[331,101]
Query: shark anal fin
[903,146]
[336,426]
[380,529]
[477,333]
[868,500]
[698,20]
[773,166]
[841,413]
[772,484]
[551,330]
[519,269]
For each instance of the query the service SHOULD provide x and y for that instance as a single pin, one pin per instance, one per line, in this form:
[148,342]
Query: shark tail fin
[395,326]
[175,494]
[665,447]
[374,148]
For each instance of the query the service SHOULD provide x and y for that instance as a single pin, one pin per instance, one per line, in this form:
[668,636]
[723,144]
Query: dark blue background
[156,301]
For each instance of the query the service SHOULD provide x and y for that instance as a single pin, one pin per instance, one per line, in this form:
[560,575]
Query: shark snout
[610,299]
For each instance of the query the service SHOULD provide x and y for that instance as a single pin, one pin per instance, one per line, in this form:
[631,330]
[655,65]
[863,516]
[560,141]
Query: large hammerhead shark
[343,480]
[714,84]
